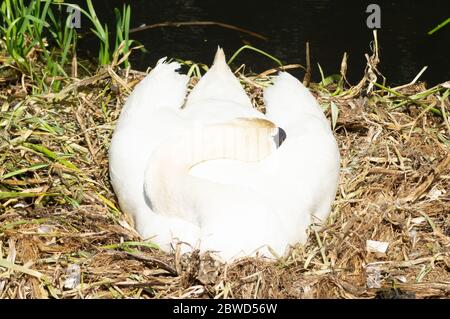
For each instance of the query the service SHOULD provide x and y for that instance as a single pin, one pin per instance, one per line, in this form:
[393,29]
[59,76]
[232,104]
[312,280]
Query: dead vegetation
[62,235]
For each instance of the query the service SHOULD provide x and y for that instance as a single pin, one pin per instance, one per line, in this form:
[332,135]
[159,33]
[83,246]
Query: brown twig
[307,77]
[198,23]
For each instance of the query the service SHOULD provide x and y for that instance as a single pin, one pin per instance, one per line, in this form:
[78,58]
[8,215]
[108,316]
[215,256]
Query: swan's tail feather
[219,58]
[219,83]
[290,104]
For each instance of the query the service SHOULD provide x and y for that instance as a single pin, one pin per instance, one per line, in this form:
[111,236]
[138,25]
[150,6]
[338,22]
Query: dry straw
[57,208]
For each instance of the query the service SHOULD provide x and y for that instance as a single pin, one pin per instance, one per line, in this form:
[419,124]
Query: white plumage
[207,170]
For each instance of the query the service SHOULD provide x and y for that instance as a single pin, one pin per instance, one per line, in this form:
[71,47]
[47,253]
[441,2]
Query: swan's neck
[169,186]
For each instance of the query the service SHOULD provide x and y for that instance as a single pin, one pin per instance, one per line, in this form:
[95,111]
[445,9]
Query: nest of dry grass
[62,235]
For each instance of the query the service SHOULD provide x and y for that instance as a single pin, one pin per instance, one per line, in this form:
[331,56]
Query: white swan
[210,173]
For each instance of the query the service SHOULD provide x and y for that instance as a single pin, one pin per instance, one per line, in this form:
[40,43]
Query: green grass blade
[439,26]
[127,244]
[24,170]
[249,47]
[45,151]
[6,195]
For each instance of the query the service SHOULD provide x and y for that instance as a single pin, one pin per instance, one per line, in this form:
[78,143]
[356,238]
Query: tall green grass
[40,43]
[439,26]
[21,29]
[122,42]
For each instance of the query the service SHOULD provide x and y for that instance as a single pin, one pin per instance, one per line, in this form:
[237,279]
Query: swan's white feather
[234,202]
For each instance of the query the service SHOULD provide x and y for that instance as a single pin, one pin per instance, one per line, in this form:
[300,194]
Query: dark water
[331,27]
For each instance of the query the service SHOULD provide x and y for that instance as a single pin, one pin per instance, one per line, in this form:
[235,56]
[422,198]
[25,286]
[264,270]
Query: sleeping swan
[209,170]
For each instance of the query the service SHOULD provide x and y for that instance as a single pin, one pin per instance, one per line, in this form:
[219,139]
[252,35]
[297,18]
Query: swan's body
[210,173]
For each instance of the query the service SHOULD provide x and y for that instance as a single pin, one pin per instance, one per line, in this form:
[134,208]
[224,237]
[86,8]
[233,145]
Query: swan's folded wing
[306,165]
[291,106]
[148,117]
[163,87]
